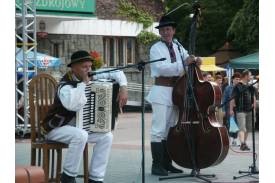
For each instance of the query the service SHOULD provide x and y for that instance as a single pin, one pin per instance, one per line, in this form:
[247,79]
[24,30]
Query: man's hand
[198,61]
[192,59]
[122,96]
[231,113]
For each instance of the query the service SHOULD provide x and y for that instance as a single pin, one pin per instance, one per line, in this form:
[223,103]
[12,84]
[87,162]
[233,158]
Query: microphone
[161,59]
[90,74]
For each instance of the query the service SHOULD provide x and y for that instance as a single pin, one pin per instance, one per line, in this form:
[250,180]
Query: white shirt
[163,94]
[74,99]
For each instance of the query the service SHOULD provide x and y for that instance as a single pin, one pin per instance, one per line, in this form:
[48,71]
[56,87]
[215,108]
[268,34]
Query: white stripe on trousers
[77,138]
[163,118]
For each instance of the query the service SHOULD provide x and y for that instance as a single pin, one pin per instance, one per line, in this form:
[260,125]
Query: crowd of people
[239,107]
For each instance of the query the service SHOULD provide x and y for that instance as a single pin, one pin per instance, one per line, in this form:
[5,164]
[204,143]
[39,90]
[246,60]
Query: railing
[136,87]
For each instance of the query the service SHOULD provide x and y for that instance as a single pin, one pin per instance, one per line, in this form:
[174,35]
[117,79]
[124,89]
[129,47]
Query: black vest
[58,115]
[243,97]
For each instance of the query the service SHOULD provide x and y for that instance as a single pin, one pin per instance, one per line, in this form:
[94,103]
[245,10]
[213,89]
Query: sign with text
[64,6]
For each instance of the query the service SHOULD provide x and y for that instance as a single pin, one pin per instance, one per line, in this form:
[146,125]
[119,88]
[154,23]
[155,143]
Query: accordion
[100,112]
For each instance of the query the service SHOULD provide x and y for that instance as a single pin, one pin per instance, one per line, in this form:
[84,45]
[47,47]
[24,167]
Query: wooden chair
[42,90]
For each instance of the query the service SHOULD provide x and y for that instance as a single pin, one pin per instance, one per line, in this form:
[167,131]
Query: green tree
[244,29]
[215,20]
[133,13]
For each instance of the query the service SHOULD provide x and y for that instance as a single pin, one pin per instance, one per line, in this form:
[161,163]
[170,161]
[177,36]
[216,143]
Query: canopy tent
[43,60]
[209,64]
[246,62]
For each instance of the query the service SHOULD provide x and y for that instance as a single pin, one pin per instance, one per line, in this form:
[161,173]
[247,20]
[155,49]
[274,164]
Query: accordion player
[101,110]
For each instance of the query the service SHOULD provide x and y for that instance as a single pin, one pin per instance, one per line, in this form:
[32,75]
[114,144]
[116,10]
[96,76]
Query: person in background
[257,85]
[207,76]
[244,102]
[225,99]
[218,80]
[218,74]
[224,83]
[219,113]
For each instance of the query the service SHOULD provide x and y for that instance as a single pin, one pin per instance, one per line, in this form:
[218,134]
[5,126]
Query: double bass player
[165,73]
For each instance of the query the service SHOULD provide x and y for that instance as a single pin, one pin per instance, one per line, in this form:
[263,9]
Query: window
[118,51]
[56,50]
[121,52]
[105,47]
[130,53]
[112,53]
[109,56]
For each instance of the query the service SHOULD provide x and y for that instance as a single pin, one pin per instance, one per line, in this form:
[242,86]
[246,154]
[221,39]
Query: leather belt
[166,81]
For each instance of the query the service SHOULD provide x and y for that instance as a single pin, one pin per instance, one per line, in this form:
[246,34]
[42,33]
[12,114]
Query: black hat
[80,56]
[166,21]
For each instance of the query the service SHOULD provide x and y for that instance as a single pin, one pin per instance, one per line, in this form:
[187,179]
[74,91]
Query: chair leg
[39,157]
[52,165]
[46,164]
[85,164]
[58,165]
[33,156]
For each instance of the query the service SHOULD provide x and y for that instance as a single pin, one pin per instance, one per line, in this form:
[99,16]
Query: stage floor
[125,159]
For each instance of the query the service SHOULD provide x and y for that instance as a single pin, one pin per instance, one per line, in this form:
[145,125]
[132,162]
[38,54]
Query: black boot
[157,155]
[167,162]
[94,181]
[67,179]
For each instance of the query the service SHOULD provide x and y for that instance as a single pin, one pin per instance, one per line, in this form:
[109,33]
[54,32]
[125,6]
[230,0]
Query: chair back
[42,90]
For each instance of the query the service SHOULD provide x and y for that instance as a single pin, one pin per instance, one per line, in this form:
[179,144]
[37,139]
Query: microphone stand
[141,67]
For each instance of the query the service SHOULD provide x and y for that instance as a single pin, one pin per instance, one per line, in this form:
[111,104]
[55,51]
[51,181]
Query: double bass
[198,140]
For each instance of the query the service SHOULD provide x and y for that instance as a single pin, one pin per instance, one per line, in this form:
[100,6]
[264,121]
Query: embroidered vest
[58,115]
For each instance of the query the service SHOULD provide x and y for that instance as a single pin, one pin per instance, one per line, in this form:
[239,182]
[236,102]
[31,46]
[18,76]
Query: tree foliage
[133,13]
[244,29]
[215,20]
[147,38]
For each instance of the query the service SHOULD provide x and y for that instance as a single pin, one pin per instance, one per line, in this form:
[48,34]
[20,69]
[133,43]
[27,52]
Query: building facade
[94,25]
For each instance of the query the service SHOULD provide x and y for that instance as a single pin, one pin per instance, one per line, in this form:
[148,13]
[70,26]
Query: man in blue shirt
[226,96]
